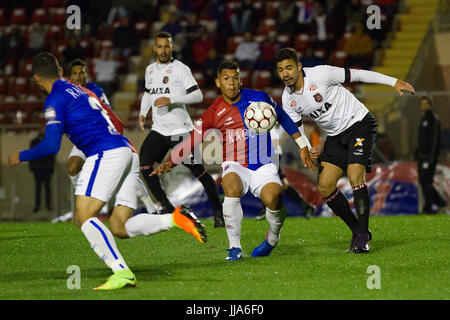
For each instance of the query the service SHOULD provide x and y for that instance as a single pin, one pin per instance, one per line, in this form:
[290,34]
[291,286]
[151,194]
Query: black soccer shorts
[155,147]
[354,145]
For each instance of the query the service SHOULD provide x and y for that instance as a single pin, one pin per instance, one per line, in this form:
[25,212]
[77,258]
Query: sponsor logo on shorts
[359,142]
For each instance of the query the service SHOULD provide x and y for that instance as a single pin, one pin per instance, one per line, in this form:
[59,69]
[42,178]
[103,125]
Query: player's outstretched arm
[367,76]
[50,145]
[401,86]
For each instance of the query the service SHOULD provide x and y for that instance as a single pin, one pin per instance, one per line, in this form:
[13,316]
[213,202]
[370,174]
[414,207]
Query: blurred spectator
[124,38]
[242,16]
[106,72]
[116,12]
[310,59]
[192,31]
[210,67]
[218,11]
[354,13]
[427,153]
[318,27]
[247,52]
[179,50]
[325,29]
[14,42]
[359,49]
[201,48]
[42,170]
[97,14]
[71,52]
[3,48]
[269,48]
[336,8]
[36,39]
[172,26]
[286,14]
[306,13]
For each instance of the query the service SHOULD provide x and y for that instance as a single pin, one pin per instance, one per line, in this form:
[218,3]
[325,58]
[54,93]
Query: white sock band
[103,243]
[233,215]
[275,219]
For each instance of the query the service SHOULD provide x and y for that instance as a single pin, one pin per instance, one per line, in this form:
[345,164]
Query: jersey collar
[302,89]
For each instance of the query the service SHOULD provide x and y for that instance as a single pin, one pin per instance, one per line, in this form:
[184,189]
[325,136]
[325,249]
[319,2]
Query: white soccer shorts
[110,174]
[75,152]
[253,181]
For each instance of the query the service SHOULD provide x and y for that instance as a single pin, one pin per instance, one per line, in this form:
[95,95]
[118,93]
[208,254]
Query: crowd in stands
[249,31]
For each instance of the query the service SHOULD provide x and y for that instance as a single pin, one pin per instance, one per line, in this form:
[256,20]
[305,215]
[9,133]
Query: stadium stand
[96,36]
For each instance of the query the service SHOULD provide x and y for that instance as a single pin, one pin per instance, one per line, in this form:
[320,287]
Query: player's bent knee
[118,231]
[74,165]
[325,189]
[232,185]
[356,175]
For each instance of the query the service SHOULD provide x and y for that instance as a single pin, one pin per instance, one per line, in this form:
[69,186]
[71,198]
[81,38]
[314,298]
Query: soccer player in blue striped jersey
[78,74]
[110,170]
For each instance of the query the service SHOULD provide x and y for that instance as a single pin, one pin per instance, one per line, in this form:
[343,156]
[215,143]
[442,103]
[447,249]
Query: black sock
[362,205]
[211,190]
[340,206]
[154,185]
[293,194]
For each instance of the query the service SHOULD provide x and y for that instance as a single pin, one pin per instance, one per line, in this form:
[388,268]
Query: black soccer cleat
[219,222]
[359,246]
[362,243]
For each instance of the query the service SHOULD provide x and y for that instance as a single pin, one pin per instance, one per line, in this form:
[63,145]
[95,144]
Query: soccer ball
[260,117]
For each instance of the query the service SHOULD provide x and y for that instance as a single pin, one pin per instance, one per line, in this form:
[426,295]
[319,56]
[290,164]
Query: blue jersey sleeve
[50,145]
[54,113]
[282,117]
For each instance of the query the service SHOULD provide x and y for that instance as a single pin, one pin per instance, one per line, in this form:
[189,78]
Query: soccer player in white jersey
[351,132]
[169,87]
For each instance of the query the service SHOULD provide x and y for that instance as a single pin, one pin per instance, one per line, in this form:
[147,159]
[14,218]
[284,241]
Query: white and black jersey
[326,101]
[172,80]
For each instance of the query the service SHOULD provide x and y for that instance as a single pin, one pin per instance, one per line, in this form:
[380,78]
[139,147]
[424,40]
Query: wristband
[301,142]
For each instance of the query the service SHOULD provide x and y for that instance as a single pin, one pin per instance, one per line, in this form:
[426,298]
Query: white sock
[142,194]
[275,219]
[74,179]
[148,224]
[233,215]
[103,243]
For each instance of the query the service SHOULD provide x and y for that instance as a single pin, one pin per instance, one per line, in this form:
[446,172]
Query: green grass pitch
[411,252]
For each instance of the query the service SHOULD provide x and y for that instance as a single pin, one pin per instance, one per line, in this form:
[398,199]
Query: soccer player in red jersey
[249,163]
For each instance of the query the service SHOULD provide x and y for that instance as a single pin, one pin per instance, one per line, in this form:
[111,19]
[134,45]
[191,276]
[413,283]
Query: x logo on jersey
[359,142]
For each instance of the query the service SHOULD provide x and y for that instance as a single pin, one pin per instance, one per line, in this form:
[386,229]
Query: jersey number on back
[95,104]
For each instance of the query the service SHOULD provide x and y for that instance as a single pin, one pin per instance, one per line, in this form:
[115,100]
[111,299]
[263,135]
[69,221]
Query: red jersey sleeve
[201,126]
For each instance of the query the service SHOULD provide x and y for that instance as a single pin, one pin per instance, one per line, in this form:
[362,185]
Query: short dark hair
[45,65]
[426,98]
[286,53]
[227,64]
[163,34]
[77,62]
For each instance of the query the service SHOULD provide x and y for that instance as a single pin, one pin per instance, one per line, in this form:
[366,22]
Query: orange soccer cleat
[185,219]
